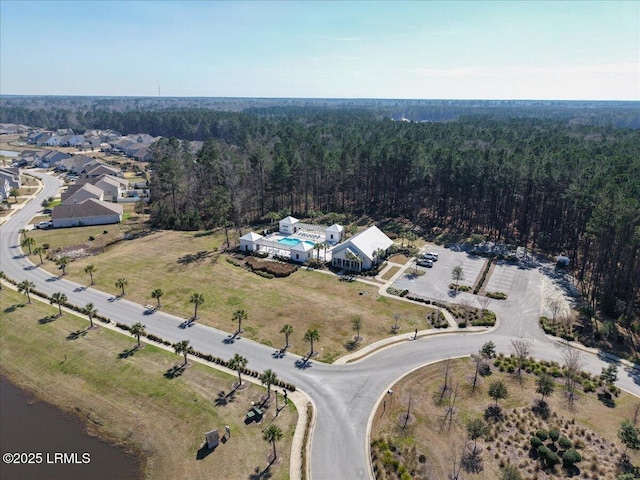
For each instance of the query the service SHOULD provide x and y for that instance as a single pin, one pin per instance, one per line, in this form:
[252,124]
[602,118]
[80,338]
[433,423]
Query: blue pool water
[292,242]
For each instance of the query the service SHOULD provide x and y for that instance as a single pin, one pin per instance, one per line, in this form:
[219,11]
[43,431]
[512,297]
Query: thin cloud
[344,39]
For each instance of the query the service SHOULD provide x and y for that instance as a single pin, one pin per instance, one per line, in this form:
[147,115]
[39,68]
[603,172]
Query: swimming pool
[292,242]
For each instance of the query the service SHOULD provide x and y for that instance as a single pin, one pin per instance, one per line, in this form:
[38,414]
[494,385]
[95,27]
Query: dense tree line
[550,185]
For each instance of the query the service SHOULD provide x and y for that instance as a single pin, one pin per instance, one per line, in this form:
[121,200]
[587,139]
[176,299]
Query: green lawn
[181,263]
[129,398]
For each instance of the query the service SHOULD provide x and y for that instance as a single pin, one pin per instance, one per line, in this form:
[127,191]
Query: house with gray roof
[82,193]
[87,212]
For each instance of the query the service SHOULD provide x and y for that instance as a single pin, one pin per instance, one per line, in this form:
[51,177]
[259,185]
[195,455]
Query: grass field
[181,263]
[131,402]
[590,425]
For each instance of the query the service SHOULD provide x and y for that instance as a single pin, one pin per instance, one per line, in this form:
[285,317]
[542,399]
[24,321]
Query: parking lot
[435,282]
[501,279]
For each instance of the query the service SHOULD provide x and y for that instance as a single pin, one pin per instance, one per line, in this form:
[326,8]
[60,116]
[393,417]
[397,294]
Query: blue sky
[355,49]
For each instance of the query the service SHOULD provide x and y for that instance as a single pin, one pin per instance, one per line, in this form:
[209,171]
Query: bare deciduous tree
[573,362]
[556,306]
[522,348]
[484,302]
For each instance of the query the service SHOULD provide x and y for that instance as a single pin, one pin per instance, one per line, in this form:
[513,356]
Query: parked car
[423,262]
[43,225]
[430,256]
[47,211]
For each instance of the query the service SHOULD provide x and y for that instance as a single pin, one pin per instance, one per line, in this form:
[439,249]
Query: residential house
[72,140]
[143,155]
[8,129]
[48,140]
[5,189]
[88,212]
[362,251]
[49,158]
[113,187]
[101,169]
[79,193]
[12,175]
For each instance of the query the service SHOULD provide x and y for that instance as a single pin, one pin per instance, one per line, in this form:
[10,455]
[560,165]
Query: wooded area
[555,185]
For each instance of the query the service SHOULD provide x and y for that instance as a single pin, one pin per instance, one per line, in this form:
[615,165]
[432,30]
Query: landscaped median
[433,423]
[98,374]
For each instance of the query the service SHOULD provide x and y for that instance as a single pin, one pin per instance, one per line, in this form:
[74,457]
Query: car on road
[43,225]
[423,262]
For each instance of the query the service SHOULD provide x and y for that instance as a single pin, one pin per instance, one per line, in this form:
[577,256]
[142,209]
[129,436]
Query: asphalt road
[344,395]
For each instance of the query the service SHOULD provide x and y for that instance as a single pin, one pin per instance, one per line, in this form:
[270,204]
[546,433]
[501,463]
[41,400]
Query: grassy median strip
[125,395]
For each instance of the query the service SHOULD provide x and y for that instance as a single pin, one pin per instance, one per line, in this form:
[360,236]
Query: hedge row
[483,277]
[277,269]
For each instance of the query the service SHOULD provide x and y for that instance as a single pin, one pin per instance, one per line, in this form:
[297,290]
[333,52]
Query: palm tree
[310,336]
[25,287]
[238,316]
[28,242]
[356,323]
[14,192]
[353,258]
[58,298]
[182,348]
[272,434]
[137,329]
[39,251]
[62,263]
[157,293]
[268,378]
[24,231]
[196,299]
[238,362]
[90,270]
[287,330]
[121,283]
[89,310]
[317,247]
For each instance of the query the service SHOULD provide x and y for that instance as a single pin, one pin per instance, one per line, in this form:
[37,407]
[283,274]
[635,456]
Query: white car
[431,256]
[43,225]
[425,263]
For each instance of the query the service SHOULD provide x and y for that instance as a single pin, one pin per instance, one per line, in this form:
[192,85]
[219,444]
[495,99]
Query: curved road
[344,395]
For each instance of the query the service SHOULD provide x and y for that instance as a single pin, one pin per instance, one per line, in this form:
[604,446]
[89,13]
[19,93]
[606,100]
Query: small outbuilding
[288,225]
[301,252]
[334,234]
[248,242]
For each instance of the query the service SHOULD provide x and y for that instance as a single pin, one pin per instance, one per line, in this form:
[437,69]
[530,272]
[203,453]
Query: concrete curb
[380,399]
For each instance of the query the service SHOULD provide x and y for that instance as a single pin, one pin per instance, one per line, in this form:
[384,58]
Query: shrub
[497,295]
[92,238]
[277,269]
[554,435]
[535,442]
[564,442]
[571,457]
[542,435]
